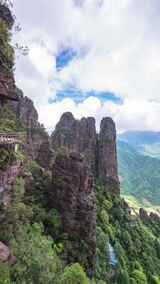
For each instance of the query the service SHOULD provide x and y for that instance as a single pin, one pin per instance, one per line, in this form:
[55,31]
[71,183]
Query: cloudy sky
[91,57]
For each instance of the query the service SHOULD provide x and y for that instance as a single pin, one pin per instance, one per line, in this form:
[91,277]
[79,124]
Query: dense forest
[140,175]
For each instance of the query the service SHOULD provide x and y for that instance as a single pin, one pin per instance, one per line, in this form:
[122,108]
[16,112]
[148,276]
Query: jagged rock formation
[72,194]
[71,191]
[76,135]
[25,110]
[37,144]
[7,180]
[144,216]
[99,150]
[79,151]
[107,155]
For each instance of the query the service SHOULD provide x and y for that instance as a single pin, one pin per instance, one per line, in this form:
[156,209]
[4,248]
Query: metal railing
[9,138]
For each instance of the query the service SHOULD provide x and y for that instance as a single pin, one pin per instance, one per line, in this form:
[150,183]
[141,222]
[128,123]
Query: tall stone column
[107,156]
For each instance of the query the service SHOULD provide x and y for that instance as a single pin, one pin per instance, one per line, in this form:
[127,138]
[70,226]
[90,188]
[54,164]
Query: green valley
[139,176]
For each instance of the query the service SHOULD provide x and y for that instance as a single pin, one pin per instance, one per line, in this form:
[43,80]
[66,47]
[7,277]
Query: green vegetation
[7,56]
[136,244]
[140,176]
[74,274]
[37,260]
[35,236]
[8,119]
[128,250]
[9,123]
[7,157]
[145,142]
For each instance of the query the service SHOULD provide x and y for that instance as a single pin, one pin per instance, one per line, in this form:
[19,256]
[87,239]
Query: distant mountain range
[145,142]
[139,167]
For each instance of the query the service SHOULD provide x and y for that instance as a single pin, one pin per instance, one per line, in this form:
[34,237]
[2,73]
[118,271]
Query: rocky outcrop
[154,217]
[25,111]
[73,196]
[107,156]
[99,150]
[76,135]
[143,214]
[6,15]
[37,144]
[7,179]
[7,92]
[5,254]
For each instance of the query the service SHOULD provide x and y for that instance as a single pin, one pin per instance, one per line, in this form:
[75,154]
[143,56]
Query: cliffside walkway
[9,138]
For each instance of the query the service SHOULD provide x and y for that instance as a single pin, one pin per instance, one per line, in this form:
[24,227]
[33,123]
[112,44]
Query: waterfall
[112,256]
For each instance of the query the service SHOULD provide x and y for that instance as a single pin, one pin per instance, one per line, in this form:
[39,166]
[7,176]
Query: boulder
[5,254]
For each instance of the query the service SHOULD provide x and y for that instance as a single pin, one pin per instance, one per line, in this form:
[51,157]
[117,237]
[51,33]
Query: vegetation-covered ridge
[136,244]
[35,236]
[139,175]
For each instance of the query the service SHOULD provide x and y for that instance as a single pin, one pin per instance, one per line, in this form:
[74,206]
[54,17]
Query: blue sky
[79,96]
[63,58]
[92,57]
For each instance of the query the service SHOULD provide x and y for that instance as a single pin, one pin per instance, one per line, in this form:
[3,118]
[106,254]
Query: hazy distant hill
[145,142]
[140,175]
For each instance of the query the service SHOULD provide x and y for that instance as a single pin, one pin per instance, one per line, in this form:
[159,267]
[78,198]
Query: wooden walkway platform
[9,138]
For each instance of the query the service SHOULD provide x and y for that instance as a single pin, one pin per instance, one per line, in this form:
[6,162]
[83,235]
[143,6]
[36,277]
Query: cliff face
[7,83]
[25,110]
[7,92]
[81,154]
[7,180]
[86,155]
[37,144]
[107,156]
[72,194]
[99,150]
[76,135]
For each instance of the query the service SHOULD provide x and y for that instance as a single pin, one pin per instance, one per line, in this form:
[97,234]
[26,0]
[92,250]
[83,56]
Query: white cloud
[42,60]
[131,115]
[52,113]
[123,42]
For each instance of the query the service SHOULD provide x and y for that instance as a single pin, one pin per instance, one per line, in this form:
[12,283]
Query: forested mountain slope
[140,175]
[145,142]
